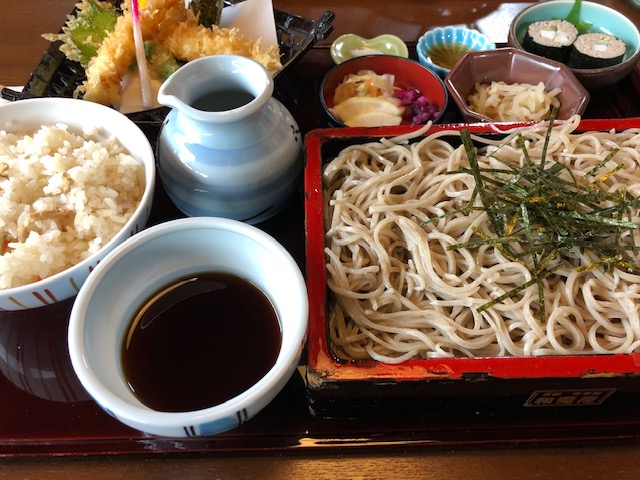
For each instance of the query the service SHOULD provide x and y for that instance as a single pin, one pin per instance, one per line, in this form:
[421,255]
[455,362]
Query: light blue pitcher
[227,148]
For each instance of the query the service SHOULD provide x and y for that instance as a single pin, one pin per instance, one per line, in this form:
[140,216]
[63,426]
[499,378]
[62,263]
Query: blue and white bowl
[154,258]
[30,115]
[439,49]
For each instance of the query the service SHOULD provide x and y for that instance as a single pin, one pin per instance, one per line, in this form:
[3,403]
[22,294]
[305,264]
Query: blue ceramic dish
[440,49]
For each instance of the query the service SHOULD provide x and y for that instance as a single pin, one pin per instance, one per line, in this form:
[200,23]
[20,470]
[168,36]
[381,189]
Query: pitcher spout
[171,101]
[217,85]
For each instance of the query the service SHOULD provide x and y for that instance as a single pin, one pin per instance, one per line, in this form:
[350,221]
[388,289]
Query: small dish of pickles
[382,90]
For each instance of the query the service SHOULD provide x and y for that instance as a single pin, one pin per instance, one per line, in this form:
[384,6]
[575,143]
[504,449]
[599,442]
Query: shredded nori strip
[546,211]
[207,11]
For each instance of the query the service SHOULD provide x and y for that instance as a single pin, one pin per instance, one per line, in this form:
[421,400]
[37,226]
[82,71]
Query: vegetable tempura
[173,28]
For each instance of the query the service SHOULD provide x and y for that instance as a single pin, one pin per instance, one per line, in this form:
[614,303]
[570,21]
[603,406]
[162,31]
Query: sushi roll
[596,50]
[551,39]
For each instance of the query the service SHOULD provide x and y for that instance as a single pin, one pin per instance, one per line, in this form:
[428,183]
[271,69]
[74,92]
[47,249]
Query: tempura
[175,28]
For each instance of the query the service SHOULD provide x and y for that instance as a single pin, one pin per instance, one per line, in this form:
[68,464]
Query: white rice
[63,196]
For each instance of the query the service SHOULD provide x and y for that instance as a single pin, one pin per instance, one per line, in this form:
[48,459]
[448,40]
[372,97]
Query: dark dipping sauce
[200,341]
[222,100]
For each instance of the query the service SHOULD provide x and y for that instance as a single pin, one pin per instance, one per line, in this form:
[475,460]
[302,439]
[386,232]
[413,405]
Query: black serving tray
[45,411]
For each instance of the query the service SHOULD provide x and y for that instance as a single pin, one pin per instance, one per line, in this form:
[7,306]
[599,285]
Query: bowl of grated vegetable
[77,180]
[510,85]
[382,90]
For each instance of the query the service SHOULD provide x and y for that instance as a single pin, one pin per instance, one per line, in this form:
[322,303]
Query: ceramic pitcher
[227,148]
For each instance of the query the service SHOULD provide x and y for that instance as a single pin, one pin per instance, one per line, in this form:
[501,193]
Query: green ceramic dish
[350,45]
[603,19]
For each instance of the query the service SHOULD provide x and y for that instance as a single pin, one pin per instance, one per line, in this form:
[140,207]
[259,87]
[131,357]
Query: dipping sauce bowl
[145,265]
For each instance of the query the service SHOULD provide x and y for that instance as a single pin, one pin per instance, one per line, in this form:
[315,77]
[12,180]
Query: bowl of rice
[76,179]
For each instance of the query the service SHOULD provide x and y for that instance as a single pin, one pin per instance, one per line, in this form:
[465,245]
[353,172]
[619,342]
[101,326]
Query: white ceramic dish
[31,114]
[149,261]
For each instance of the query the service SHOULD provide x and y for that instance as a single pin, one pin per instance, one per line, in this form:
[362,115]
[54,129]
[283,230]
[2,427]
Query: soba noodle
[399,293]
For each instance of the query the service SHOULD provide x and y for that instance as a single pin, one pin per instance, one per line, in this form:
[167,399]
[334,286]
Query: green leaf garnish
[84,32]
[574,17]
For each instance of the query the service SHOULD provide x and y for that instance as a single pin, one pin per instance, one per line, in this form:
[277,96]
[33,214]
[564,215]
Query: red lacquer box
[338,388]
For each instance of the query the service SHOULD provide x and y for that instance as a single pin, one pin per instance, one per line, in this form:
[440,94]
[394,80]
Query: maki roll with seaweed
[596,50]
[551,39]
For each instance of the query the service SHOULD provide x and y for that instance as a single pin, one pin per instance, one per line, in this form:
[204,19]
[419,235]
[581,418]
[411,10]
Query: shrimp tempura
[176,29]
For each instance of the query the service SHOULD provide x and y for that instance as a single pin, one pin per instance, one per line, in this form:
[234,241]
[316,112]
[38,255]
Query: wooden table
[21,24]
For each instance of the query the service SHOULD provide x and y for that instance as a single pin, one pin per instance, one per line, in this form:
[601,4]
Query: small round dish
[407,73]
[603,19]
[440,49]
[350,45]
